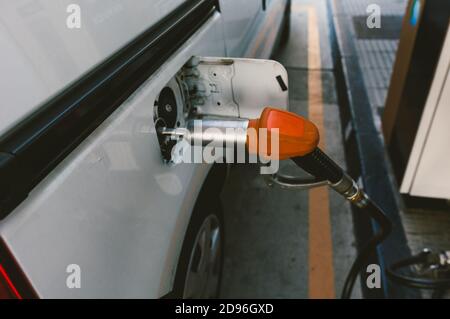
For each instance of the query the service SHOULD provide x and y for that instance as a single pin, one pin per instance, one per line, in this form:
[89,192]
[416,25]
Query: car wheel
[200,266]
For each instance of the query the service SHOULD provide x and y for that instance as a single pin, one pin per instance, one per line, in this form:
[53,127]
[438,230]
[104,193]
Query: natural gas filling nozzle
[229,131]
[298,140]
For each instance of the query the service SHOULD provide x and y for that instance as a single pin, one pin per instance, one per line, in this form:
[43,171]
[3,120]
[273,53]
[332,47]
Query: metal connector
[348,188]
[294,183]
[444,259]
[211,130]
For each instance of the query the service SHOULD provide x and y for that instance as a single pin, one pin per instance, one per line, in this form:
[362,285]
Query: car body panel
[41,55]
[239,20]
[112,206]
[266,30]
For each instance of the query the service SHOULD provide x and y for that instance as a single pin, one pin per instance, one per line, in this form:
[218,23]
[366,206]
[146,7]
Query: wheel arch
[210,189]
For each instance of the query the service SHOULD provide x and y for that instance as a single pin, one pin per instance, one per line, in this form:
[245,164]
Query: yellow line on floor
[321,271]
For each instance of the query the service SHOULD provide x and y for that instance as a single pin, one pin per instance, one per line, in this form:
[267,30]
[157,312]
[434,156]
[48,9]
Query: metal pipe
[215,131]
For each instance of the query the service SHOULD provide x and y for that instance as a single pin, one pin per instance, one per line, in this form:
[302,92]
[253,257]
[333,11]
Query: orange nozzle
[296,135]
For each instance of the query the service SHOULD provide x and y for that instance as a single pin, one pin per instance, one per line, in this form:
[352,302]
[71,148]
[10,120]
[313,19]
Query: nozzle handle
[318,164]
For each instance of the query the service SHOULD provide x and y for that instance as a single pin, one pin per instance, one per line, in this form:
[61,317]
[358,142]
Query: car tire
[199,270]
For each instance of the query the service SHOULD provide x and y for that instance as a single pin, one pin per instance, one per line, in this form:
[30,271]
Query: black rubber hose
[415,282]
[385,229]
[318,164]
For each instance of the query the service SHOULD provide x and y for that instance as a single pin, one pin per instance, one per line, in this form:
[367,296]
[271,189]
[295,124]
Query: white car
[91,205]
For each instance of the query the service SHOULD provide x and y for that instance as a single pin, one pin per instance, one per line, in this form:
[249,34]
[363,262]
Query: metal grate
[390,28]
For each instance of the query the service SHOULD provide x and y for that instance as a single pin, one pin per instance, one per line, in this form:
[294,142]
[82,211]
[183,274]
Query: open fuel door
[234,87]
[208,87]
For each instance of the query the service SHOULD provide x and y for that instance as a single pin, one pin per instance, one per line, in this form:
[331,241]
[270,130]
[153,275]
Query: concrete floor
[268,248]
